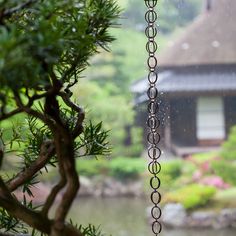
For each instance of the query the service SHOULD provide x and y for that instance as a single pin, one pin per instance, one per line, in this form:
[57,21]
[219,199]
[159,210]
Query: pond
[126,217]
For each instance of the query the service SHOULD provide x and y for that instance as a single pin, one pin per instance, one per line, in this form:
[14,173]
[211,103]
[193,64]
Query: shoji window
[210,118]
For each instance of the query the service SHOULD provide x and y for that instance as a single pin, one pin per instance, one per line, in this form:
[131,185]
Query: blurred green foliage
[170,172]
[172,13]
[44,48]
[226,170]
[106,86]
[225,167]
[27,41]
[226,197]
[229,146]
[172,168]
[116,112]
[124,168]
[191,196]
[200,158]
[120,167]
[188,168]
[91,167]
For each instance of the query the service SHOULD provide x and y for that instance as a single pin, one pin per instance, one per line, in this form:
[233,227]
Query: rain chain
[153,123]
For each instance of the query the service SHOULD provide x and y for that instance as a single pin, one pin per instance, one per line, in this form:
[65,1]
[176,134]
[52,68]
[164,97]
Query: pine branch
[19,211]
[66,160]
[46,152]
[27,109]
[9,12]
[32,218]
[5,116]
[78,129]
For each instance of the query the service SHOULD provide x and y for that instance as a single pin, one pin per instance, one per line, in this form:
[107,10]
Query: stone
[174,215]
[86,186]
[202,219]
[226,218]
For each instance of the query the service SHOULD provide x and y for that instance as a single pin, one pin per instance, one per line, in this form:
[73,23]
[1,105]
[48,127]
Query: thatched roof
[210,39]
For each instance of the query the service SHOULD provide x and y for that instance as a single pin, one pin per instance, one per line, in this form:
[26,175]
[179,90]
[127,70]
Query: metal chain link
[153,123]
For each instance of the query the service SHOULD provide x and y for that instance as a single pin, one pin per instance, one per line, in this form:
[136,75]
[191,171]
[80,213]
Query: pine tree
[44,47]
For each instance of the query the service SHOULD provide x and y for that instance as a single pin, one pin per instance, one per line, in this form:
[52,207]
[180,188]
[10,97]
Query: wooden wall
[183,121]
[230,112]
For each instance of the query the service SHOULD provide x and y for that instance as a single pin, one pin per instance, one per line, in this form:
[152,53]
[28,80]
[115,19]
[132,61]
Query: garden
[46,75]
[202,180]
[199,181]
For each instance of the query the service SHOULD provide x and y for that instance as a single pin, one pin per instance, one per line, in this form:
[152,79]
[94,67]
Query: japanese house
[197,83]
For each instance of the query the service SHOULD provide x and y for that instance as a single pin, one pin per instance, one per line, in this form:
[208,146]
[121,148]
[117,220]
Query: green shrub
[226,195]
[191,196]
[90,167]
[170,172]
[125,167]
[120,167]
[188,168]
[224,198]
[226,170]
[172,168]
[229,147]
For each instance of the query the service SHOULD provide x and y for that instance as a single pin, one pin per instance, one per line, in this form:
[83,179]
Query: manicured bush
[91,167]
[202,163]
[188,168]
[191,196]
[226,195]
[125,167]
[225,198]
[229,147]
[226,170]
[170,172]
[172,168]
[120,167]
[226,166]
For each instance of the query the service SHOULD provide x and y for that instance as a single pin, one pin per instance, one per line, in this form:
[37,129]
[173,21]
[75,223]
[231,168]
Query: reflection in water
[126,217]
[199,232]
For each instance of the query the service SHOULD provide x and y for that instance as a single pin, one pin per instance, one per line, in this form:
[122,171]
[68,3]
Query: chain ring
[153,123]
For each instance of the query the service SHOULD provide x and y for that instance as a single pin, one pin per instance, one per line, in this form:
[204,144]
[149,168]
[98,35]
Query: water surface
[127,217]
